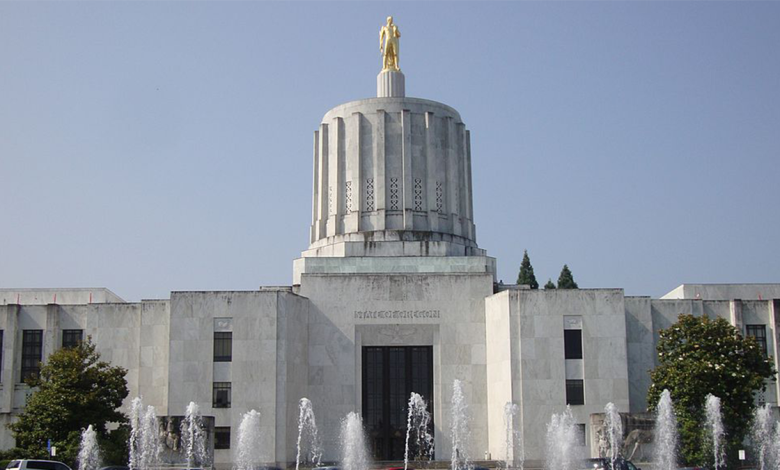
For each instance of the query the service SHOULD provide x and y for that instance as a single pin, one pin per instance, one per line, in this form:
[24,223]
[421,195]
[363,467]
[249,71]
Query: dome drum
[394,165]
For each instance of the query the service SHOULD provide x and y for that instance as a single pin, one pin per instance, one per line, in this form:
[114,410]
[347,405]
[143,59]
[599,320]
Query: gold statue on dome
[390,34]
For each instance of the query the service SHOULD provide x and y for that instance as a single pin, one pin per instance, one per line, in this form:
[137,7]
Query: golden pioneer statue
[390,34]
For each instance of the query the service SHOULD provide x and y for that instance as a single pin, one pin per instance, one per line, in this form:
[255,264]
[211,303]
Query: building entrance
[390,375]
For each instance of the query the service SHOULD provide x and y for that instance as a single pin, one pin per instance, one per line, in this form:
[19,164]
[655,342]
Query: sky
[151,147]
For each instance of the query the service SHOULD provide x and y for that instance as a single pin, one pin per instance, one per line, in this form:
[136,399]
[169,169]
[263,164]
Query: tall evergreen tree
[526,275]
[549,284]
[566,280]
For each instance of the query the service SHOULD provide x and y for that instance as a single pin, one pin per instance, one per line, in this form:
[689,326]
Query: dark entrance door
[390,375]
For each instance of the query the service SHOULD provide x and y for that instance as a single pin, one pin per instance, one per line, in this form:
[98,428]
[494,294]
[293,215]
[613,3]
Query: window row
[572,340]
[32,350]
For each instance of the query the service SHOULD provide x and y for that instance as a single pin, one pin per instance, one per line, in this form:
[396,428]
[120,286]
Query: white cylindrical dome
[392,177]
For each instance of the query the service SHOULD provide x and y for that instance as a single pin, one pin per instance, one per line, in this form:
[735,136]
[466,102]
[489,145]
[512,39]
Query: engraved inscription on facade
[396,314]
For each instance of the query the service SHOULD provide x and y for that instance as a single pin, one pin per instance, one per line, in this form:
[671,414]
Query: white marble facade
[393,261]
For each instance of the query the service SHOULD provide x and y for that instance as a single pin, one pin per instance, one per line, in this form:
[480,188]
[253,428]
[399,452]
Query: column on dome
[320,182]
[380,169]
[433,188]
[314,189]
[352,178]
[469,211]
[335,177]
[406,193]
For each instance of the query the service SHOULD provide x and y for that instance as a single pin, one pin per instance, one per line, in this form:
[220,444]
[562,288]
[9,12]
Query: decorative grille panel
[439,197]
[418,194]
[393,194]
[369,194]
[348,196]
[330,201]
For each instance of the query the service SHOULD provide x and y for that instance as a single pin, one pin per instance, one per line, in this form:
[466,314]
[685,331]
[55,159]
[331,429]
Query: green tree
[697,356]
[75,389]
[566,280]
[549,284]
[526,275]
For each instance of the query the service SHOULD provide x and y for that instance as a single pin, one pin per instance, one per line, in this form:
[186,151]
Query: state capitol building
[393,295]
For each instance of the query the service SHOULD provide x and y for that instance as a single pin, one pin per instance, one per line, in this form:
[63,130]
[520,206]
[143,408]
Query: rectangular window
[581,434]
[221,397]
[223,346]
[32,351]
[759,333]
[575,393]
[72,338]
[221,437]
[572,344]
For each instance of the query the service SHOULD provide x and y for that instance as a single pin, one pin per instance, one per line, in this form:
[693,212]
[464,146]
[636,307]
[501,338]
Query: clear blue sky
[149,147]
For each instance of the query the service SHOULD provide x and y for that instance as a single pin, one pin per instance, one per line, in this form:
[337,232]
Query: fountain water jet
[418,419]
[776,445]
[614,430]
[354,453]
[89,452]
[150,439]
[136,429]
[665,434]
[561,440]
[307,426]
[459,429]
[714,425]
[249,449]
[515,455]
[762,437]
[193,438]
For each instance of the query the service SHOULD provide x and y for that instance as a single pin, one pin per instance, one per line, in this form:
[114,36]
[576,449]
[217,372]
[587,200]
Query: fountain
[418,420]
[89,452]
[561,440]
[459,429]
[307,427]
[136,429]
[248,450]
[665,434]
[614,431]
[150,439]
[144,436]
[776,445]
[762,437]
[354,453]
[714,425]
[515,455]
[193,438]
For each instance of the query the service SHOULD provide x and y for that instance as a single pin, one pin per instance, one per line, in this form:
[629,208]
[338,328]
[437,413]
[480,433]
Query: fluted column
[390,84]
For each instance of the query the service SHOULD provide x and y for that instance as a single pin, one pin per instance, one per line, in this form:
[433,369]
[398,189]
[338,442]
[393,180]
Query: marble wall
[306,341]
[445,311]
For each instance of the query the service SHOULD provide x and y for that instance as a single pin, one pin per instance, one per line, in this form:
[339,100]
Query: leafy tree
[526,275]
[75,389]
[566,280]
[697,356]
[549,284]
